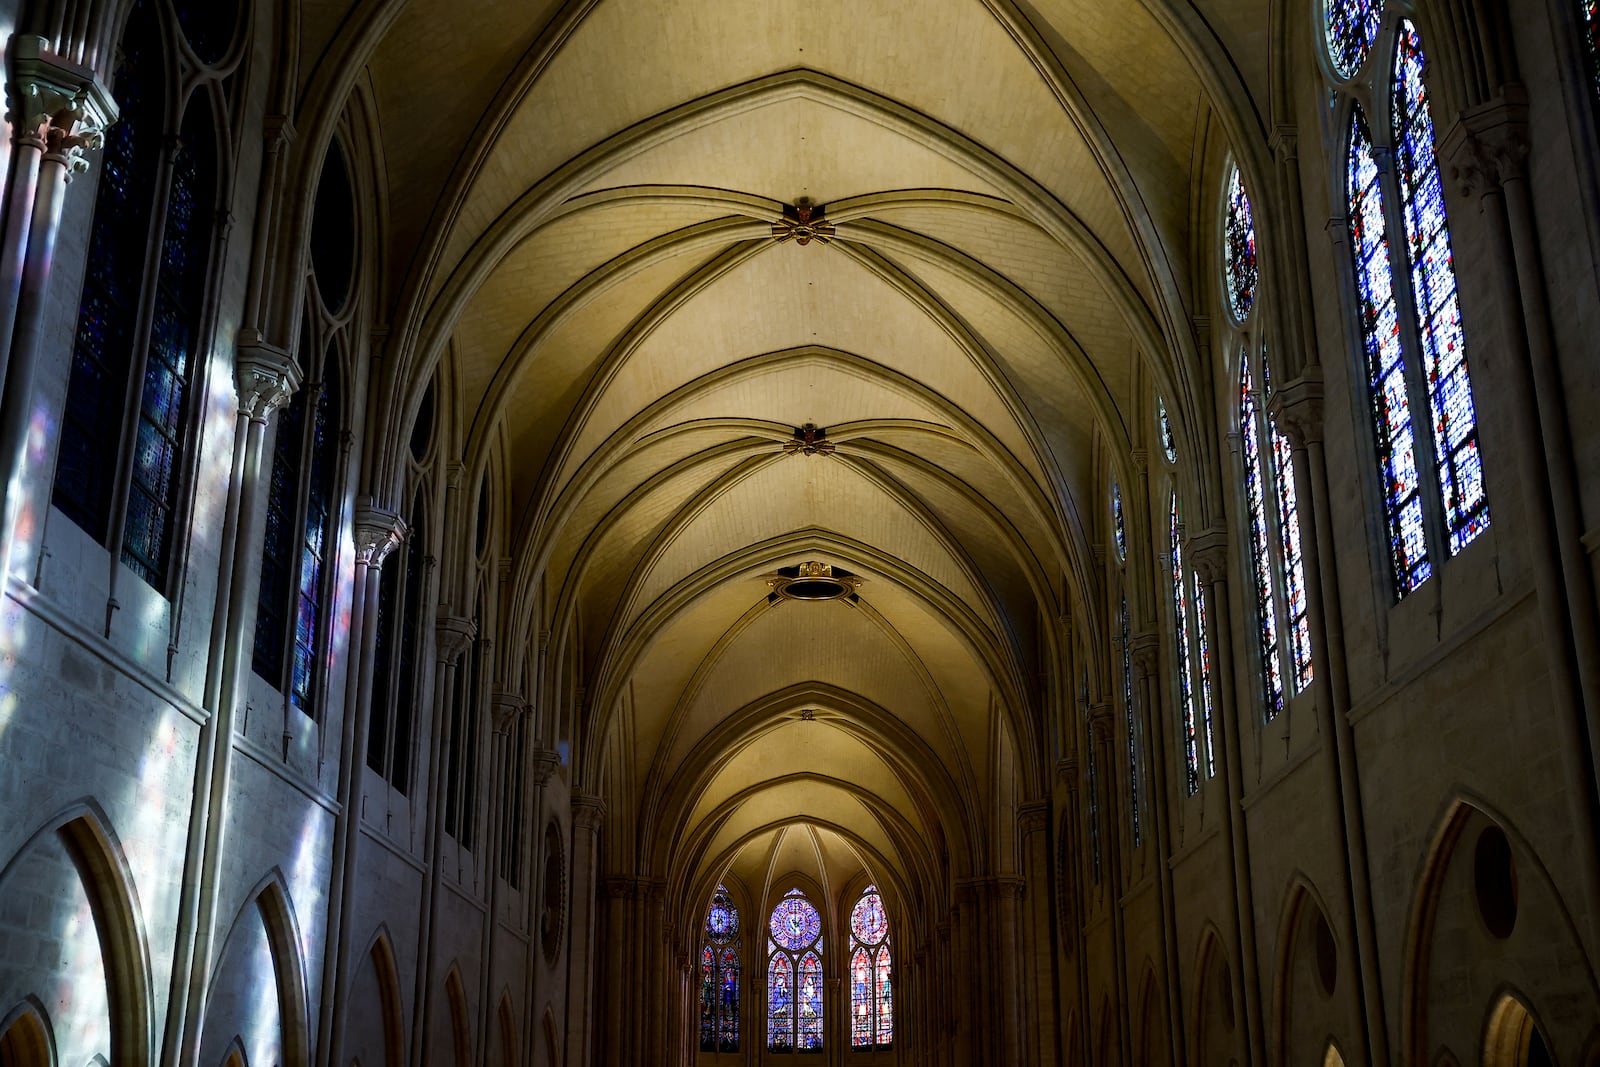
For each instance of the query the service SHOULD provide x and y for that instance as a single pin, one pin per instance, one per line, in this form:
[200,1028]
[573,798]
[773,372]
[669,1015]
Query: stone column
[265,378]
[1210,554]
[1043,1025]
[1297,408]
[505,708]
[1146,653]
[57,113]
[377,533]
[588,811]
[453,635]
[542,764]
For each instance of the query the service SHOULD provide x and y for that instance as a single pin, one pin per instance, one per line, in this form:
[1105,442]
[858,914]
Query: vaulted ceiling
[580,208]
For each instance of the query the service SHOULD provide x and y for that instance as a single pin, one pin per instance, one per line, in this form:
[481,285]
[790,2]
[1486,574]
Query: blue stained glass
[1294,564]
[313,549]
[808,999]
[719,967]
[1169,443]
[1240,269]
[780,1001]
[1133,734]
[871,995]
[869,923]
[861,981]
[1119,526]
[1260,544]
[1350,27]
[1203,640]
[795,923]
[1433,281]
[1180,615]
[1390,407]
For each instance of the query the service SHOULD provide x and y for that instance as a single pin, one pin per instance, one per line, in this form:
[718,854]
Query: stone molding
[265,377]
[453,634]
[505,708]
[56,102]
[588,811]
[542,764]
[1145,650]
[1209,551]
[1488,145]
[377,532]
[1033,817]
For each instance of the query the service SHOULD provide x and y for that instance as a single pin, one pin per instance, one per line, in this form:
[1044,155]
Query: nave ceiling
[578,223]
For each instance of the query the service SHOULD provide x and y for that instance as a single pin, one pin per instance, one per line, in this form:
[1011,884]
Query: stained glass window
[871,988]
[1385,364]
[1133,733]
[102,355]
[1169,443]
[1260,543]
[1239,248]
[1438,307]
[1203,640]
[278,547]
[395,660]
[317,545]
[1119,525]
[1350,28]
[794,975]
[1185,664]
[1590,10]
[719,976]
[1294,564]
[1094,784]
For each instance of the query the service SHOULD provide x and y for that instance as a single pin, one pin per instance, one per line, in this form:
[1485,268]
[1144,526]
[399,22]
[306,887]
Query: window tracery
[871,982]
[1185,659]
[1350,28]
[794,975]
[719,975]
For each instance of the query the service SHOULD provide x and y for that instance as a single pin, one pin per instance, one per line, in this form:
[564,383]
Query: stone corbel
[378,532]
[1101,721]
[505,709]
[1209,551]
[1488,145]
[1285,144]
[1067,773]
[452,635]
[1033,817]
[542,764]
[588,811]
[1146,653]
[264,377]
[57,102]
[1296,407]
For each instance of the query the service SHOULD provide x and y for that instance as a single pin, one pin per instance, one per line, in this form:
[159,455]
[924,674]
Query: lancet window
[794,975]
[1192,660]
[871,974]
[719,975]
[125,459]
[1408,305]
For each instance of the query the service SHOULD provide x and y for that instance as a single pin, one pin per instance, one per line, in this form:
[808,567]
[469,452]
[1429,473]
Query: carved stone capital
[1139,460]
[505,709]
[1296,408]
[377,533]
[588,810]
[1101,720]
[1067,773]
[1145,650]
[264,378]
[1488,145]
[1285,144]
[56,102]
[452,635]
[542,764]
[1033,817]
[1209,551]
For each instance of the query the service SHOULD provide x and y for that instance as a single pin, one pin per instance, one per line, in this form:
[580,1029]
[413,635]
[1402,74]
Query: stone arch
[375,1022]
[508,1032]
[552,1042]
[1483,892]
[90,860]
[1107,1053]
[235,1056]
[265,922]
[1216,1015]
[1150,1036]
[1512,1037]
[1310,992]
[460,1030]
[26,1039]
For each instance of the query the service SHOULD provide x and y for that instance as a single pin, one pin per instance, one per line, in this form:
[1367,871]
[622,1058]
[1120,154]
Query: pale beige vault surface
[584,222]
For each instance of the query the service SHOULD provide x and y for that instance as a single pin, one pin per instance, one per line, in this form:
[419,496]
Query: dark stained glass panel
[1350,28]
[1239,249]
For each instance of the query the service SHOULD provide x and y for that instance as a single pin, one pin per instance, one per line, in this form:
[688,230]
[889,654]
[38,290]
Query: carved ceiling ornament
[810,440]
[813,580]
[802,223]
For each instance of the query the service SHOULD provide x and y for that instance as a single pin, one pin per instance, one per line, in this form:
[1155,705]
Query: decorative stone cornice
[1209,551]
[505,708]
[377,533]
[264,376]
[1296,408]
[452,636]
[1033,817]
[588,810]
[57,102]
[1488,145]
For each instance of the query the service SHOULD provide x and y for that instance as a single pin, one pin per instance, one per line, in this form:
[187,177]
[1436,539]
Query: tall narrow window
[1386,372]
[1133,732]
[395,661]
[1438,308]
[129,410]
[1589,10]
[1297,614]
[1185,661]
[871,984]
[794,975]
[1260,543]
[1240,269]
[719,976]
[317,545]
[1203,640]
[1119,524]
[279,556]
[1092,770]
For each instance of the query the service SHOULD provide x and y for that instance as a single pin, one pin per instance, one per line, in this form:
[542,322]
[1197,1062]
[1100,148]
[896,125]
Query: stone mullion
[454,635]
[1210,552]
[1043,1026]
[506,709]
[377,533]
[587,813]
[1146,664]
[1297,406]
